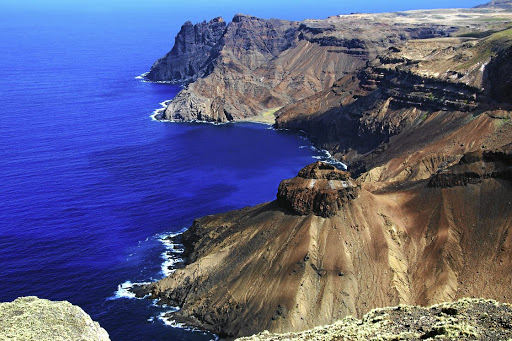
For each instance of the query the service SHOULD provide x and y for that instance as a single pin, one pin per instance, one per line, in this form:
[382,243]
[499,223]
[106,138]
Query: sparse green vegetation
[272,111]
[488,47]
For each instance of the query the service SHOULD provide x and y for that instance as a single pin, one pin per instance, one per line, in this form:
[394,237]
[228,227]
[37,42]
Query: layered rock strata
[370,117]
[252,67]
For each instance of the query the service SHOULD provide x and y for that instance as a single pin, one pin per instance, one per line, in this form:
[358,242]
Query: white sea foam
[144,79]
[169,321]
[143,76]
[160,111]
[123,290]
[172,253]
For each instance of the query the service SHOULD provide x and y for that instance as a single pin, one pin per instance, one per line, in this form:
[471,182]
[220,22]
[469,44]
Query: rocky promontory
[31,318]
[286,266]
[251,67]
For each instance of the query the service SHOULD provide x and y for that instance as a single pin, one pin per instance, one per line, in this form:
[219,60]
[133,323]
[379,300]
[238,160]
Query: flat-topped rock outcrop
[319,188]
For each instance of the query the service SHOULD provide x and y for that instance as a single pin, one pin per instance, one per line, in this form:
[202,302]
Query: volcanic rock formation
[273,268]
[418,105]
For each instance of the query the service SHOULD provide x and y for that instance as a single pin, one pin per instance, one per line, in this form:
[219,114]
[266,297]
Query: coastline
[266,118]
[200,290]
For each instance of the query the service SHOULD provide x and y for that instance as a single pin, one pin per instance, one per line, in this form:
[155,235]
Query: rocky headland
[418,104]
[250,68]
[32,318]
[331,247]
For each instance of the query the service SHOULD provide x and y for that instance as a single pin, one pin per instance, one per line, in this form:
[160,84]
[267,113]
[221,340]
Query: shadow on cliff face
[497,78]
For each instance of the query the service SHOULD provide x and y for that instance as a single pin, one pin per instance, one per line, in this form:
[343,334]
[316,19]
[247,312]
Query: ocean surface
[90,184]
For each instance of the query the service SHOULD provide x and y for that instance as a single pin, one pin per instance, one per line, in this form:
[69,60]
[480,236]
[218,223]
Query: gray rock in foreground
[31,318]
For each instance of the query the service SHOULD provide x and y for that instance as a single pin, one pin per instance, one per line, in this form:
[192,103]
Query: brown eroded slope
[266,268]
[452,91]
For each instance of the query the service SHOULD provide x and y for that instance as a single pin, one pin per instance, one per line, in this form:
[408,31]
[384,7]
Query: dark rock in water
[320,188]
[192,54]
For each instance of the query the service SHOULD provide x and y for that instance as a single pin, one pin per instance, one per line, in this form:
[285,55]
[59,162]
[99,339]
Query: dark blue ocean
[89,183]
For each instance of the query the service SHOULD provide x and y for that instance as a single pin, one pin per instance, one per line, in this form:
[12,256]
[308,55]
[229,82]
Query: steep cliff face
[497,76]
[262,65]
[195,49]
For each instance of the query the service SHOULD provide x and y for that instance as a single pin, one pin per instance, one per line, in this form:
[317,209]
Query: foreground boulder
[31,318]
